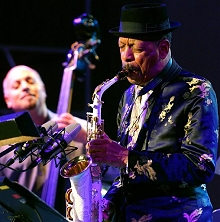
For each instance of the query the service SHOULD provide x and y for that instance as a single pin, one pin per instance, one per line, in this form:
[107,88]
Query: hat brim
[151,35]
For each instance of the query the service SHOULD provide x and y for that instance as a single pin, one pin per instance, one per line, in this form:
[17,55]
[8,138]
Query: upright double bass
[80,52]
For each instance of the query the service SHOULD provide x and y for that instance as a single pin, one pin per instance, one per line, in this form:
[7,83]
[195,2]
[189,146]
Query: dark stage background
[39,34]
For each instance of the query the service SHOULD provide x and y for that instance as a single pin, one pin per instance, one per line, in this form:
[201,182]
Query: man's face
[141,58]
[23,89]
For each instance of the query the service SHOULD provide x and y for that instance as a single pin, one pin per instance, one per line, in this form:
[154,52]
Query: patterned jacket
[175,153]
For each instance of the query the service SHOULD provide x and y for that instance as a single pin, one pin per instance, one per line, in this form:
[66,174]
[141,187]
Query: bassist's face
[23,89]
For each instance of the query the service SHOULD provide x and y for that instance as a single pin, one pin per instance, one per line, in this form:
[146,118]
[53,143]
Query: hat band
[134,27]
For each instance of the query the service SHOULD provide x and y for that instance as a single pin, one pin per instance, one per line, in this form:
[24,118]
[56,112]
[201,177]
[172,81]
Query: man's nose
[128,55]
[24,85]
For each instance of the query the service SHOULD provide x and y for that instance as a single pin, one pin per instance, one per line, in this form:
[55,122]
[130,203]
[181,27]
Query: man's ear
[164,47]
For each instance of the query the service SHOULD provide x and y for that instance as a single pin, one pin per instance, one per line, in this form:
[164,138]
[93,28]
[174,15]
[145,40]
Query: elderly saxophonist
[167,128]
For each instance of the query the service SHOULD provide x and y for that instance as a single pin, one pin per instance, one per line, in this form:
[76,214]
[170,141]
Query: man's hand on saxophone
[107,151]
[108,210]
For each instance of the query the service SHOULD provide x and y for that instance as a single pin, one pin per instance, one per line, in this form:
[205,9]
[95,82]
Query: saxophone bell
[79,197]
[76,166]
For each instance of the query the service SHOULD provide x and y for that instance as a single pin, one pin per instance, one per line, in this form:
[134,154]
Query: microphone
[47,129]
[56,144]
[23,150]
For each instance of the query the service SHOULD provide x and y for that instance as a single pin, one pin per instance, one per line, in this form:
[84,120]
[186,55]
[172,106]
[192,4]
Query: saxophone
[84,198]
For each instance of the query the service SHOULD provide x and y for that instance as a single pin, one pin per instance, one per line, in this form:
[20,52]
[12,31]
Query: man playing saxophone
[167,128]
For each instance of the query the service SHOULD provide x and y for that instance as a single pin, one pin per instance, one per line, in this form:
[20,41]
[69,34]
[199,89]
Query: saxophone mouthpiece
[122,74]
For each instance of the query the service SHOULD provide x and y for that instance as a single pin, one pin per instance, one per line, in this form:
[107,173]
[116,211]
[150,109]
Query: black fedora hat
[144,21]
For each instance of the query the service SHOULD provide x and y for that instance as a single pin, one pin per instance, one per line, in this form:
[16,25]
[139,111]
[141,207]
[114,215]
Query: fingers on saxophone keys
[87,148]
[96,156]
[88,145]
[91,147]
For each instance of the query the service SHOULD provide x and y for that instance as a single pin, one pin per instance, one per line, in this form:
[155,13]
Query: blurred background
[39,34]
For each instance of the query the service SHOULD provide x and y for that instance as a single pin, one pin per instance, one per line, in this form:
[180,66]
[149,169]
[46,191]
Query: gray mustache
[129,67]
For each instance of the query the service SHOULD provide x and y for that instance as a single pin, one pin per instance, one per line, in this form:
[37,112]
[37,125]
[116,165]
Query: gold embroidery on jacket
[170,121]
[166,109]
[195,83]
[187,126]
[146,169]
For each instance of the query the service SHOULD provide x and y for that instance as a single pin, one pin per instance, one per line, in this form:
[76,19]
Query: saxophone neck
[100,89]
